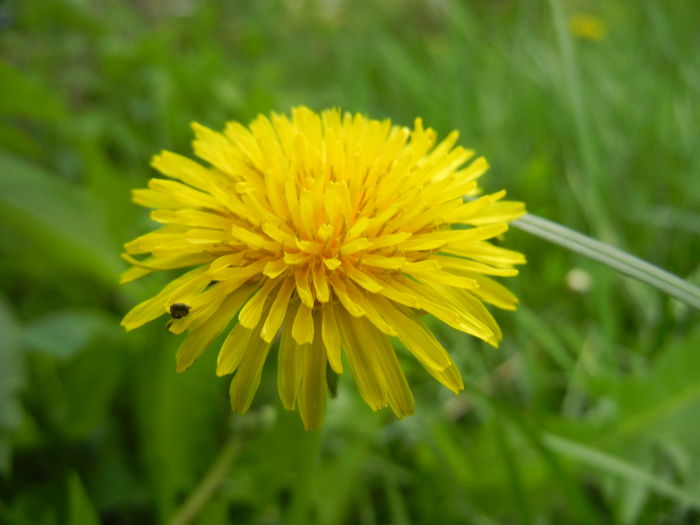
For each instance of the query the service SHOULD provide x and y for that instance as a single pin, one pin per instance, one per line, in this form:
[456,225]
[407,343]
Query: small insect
[179,310]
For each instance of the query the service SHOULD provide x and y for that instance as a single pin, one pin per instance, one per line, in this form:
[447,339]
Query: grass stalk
[613,257]
[209,484]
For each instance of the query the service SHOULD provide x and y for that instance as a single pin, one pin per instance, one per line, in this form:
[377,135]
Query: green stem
[612,257]
[209,484]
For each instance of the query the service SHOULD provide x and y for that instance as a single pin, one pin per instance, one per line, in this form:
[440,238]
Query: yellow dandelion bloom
[587,26]
[334,230]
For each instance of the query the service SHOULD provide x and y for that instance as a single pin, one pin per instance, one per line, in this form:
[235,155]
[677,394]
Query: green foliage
[80,510]
[585,415]
[11,378]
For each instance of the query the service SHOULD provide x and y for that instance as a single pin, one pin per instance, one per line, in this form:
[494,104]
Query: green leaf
[63,334]
[81,511]
[11,380]
[97,371]
[649,435]
[18,140]
[21,93]
[59,215]
[663,400]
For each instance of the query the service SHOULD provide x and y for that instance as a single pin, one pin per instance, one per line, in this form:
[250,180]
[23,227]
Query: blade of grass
[515,479]
[613,257]
[576,498]
[617,466]
[591,183]
[397,505]
[547,336]
[302,499]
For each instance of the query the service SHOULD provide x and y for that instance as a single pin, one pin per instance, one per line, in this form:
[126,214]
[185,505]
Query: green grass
[586,414]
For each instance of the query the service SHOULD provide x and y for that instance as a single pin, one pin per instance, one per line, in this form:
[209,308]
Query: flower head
[335,230]
[588,27]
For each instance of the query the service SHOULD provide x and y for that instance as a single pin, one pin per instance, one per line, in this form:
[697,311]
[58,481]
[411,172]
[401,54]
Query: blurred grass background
[586,414]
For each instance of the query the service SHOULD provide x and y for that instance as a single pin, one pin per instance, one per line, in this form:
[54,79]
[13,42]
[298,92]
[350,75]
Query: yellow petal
[292,201]
[364,279]
[214,148]
[487,253]
[202,306]
[185,195]
[341,293]
[158,305]
[450,313]
[398,392]
[294,258]
[196,317]
[244,139]
[228,260]
[238,273]
[153,199]
[193,218]
[464,265]
[303,327]
[470,307]
[252,312]
[182,168]
[301,276]
[161,263]
[472,208]
[355,246]
[332,263]
[247,379]
[394,290]
[233,349]
[320,281]
[450,377]
[146,243]
[277,311]
[253,239]
[437,276]
[306,212]
[494,293]
[417,338]
[289,365]
[197,341]
[394,239]
[359,298]
[133,273]
[504,211]
[331,337]
[431,241]
[312,391]
[275,268]
[280,233]
[381,261]
[368,376]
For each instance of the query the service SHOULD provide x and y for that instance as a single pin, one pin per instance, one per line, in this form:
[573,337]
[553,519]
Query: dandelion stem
[612,257]
[209,484]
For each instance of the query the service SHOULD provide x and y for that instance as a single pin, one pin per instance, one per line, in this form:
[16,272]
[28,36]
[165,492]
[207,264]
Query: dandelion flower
[335,231]
[588,27]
